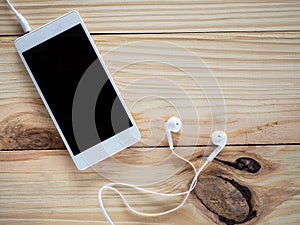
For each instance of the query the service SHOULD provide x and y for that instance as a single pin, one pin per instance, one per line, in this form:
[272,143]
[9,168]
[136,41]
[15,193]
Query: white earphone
[173,124]
[218,138]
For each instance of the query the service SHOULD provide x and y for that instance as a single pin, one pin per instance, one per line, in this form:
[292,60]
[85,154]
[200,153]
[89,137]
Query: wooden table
[232,65]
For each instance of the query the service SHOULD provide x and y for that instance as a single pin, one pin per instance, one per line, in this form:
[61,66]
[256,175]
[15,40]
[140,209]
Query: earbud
[218,138]
[173,124]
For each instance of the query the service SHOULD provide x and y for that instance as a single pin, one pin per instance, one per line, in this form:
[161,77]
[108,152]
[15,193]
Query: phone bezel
[106,148]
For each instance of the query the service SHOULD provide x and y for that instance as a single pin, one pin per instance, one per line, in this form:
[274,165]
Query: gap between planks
[160,147]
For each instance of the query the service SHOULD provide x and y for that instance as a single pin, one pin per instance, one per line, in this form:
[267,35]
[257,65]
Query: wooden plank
[160,16]
[252,79]
[44,187]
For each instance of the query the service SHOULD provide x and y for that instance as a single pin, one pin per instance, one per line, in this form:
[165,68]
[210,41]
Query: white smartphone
[77,90]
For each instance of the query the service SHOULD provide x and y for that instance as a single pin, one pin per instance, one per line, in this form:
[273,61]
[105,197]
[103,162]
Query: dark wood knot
[36,138]
[226,198]
[244,163]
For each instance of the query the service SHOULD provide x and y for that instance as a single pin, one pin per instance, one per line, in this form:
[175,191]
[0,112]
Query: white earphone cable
[23,22]
[12,7]
[187,193]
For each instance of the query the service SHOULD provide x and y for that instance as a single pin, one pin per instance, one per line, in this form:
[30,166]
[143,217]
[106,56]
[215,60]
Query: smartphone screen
[77,89]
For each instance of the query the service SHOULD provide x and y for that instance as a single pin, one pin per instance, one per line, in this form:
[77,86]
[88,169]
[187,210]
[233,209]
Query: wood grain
[44,187]
[230,65]
[160,16]
[252,79]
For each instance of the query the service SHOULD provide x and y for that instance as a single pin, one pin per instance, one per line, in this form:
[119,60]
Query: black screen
[77,89]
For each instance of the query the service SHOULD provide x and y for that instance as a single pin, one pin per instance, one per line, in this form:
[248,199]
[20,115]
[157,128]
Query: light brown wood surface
[258,76]
[232,65]
[44,187]
[153,16]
